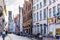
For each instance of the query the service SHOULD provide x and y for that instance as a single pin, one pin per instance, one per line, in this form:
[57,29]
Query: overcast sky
[13,5]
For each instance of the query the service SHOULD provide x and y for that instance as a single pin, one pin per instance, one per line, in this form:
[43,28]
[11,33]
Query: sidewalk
[0,38]
[49,39]
[34,39]
[8,38]
[44,38]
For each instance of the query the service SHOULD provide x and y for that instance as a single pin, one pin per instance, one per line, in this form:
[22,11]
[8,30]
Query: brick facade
[27,16]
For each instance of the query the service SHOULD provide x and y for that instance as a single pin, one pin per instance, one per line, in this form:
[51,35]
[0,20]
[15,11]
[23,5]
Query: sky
[13,5]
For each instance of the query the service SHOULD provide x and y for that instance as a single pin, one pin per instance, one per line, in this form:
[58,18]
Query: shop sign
[50,33]
[51,20]
[58,31]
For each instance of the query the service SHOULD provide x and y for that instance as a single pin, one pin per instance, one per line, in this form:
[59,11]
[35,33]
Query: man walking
[3,34]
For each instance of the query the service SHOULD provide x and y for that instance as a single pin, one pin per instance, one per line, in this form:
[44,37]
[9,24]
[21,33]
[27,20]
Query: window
[50,12]
[26,7]
[34,8]
[30,14]
[37,6]
[24,19]
[37,28]
[40,4]
[44,14]
[53,1]
[34,1]
[58,7]
[40,15]
[54,10]
[1,8]
[34,17]
[23,12]
[49,2]
[0,22]
[37,16]
[44,28]
[29,7]
[1,13]
[37,0]
[44,2]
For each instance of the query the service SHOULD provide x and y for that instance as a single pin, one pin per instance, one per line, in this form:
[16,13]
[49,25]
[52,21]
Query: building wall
[55,25]
[39,18]
[2,4]
[17,28]
[27,16]
[38,15]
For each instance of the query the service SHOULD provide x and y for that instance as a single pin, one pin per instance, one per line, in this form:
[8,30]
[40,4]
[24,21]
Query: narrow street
[15,37]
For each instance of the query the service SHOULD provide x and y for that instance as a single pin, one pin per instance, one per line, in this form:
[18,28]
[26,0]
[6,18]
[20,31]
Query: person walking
[3,34]
[6,32]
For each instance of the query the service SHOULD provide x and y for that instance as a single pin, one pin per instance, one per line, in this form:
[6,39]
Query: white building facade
[43,16]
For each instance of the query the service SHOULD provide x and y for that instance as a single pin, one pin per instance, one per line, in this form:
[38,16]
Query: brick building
[16,20]
[27,16]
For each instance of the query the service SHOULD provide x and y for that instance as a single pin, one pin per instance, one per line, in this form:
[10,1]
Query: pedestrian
[3,34]
[6,32]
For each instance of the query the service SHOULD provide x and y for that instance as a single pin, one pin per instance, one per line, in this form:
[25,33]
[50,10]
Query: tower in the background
[9,19]
[20,19]
[10,16]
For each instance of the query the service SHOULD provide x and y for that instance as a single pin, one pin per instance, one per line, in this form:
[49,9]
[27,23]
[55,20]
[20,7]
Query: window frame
[41,15]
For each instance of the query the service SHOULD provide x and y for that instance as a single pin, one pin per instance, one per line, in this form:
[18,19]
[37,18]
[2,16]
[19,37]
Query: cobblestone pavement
[14,37]
[0,38]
